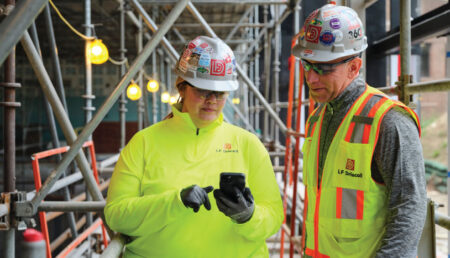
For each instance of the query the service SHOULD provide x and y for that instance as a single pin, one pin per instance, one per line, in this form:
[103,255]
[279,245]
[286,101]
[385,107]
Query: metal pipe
[65,124]
[55,58]
[418,87]
[267,73]
[152,25]
[123,100]
[115,247]
[276,77]
[405,36]
[442,220]
[154,94]
[140,104]
[16,23]
[235,26]
[30,207]
[239,24]
[61,183]
[53,131]
[9,136]
[257,78]
[72,206]
[205,25]
[270,25]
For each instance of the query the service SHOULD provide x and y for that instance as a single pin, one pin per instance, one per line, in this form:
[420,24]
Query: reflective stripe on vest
[346,215]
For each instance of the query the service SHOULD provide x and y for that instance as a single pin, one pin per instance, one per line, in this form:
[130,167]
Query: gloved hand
[194,196]
[239,211]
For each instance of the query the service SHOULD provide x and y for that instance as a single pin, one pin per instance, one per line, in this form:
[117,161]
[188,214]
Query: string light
[165,97]
[152,86]
[134,92]
[97,52]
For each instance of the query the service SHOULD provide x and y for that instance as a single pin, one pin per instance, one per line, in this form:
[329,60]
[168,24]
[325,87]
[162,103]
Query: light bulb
[152,86]
[236,100]
[173,100]
[97,52]
[134,92]
[165,97]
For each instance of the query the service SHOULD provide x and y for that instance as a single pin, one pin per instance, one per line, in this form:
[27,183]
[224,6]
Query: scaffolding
[261,101]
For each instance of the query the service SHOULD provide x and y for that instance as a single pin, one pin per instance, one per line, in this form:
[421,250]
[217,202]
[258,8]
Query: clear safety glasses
[324,68]
[206,94]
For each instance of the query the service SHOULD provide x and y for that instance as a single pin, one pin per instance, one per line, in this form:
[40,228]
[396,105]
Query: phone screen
[228,181]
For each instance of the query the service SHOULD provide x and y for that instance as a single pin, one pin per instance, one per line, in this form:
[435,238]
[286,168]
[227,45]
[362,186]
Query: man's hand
[239,211]
[194,196]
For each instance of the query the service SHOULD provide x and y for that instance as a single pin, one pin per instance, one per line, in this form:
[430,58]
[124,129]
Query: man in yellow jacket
[159,192]
[363,167]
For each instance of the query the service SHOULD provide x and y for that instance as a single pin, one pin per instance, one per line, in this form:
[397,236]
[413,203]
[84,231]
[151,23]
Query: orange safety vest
[346,212]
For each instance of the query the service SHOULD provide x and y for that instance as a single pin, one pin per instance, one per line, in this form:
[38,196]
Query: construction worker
[159,191]
[363,166]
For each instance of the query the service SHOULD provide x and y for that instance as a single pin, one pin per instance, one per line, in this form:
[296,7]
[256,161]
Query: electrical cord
[68,24]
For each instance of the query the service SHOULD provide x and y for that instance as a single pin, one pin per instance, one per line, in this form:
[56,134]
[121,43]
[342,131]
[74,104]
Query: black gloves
[194,196]
[240,209]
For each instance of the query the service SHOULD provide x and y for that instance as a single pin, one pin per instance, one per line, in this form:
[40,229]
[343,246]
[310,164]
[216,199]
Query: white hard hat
[329,33]
[208,63]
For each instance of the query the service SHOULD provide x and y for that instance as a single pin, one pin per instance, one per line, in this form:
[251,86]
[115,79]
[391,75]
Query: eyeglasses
[324,68]
[205,94]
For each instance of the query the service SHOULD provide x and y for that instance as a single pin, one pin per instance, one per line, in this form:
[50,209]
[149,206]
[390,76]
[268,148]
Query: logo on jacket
[349,169]
[350,164]
[226,147]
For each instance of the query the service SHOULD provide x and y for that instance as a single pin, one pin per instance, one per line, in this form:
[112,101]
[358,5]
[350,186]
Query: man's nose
[311,76]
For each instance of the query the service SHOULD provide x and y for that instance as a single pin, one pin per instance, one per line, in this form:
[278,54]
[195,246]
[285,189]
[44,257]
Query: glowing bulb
[134,92]
[97,52]
[173,100]
[165,97]
[152,86]
[236,100]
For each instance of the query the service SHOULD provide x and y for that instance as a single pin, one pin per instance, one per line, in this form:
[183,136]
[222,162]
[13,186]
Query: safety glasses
[324,68]
[205,94]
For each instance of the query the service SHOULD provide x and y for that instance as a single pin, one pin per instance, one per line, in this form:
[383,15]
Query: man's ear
[353,68]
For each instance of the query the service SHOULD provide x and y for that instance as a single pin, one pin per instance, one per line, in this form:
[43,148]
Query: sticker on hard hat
[205,60]
[313,33]
[202,70]
[327,38]
[217,67]
[338,36]
[307,53]
[182,66]
[329,14]
[316,22]
[335,23]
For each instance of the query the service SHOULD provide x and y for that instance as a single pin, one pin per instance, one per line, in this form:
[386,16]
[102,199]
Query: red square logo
[350,164]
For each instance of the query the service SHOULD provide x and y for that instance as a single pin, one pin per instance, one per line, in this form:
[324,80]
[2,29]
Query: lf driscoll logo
[350,165]
[227,147]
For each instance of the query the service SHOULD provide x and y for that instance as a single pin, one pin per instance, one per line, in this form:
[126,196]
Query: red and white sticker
[217,67]
[313,33]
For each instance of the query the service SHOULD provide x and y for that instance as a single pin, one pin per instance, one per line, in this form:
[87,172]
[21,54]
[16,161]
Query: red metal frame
[42,216]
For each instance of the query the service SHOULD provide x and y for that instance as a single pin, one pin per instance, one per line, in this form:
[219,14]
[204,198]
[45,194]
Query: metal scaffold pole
[123,100]
[9,137]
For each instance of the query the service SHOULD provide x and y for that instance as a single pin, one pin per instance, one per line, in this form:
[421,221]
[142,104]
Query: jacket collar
[350,94]
[185,119]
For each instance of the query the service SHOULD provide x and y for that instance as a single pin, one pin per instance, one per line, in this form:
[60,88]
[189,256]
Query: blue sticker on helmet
[327,38]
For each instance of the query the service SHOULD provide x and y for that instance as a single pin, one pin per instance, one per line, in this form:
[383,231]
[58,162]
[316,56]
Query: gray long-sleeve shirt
[397,162]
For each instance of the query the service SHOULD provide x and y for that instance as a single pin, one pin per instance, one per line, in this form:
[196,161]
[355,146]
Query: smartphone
[230,180]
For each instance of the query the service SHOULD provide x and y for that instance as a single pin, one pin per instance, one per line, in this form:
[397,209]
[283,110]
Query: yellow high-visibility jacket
[144,195]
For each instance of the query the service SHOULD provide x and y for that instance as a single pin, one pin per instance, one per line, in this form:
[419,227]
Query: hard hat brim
[214,85]
[324,55]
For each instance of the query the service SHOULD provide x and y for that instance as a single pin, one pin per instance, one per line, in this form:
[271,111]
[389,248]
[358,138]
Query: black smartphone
[230,180]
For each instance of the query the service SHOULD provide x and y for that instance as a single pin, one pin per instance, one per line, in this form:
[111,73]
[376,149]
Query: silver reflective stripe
[349,202]
[357,134]
[372,101]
